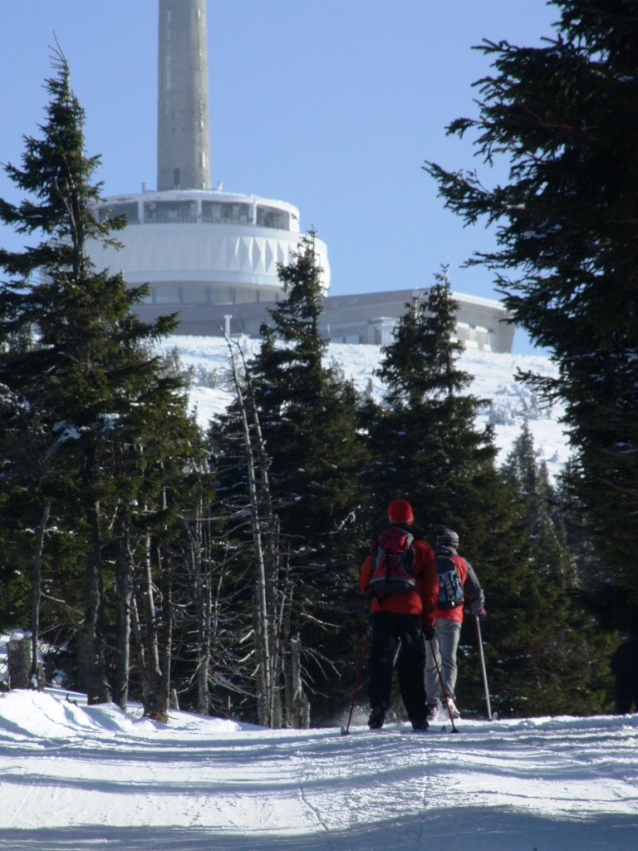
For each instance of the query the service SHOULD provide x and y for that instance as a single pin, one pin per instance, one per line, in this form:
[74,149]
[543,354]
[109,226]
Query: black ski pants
[388,628]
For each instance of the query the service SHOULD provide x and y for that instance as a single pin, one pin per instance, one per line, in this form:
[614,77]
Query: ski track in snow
[75,777]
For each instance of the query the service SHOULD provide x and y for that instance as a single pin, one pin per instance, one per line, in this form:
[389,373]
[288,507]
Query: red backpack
[392,560]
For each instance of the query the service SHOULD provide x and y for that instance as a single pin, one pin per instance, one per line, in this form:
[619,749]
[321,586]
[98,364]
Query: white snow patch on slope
[509,403]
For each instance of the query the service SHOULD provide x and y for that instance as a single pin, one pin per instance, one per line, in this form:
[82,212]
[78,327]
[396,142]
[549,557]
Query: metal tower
[183,140]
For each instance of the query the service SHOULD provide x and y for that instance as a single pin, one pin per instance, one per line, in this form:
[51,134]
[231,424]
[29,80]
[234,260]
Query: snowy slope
[509,404]
[74,778]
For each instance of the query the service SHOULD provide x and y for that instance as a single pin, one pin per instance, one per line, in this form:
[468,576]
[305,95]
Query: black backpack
[392,560]
[450,587]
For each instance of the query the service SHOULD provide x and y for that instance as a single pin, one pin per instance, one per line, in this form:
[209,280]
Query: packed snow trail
[74,777]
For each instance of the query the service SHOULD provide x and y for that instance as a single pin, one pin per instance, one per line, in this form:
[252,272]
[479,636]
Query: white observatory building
[211,256]
[196,246]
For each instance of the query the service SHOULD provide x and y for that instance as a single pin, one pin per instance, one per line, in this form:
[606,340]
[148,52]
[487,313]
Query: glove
[481,615]
[429,632]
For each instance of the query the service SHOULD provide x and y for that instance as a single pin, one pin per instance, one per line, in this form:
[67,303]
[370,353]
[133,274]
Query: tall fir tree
[573,652]
[76,365]
[308,411]
[308,418]
[564,116]
[424,438]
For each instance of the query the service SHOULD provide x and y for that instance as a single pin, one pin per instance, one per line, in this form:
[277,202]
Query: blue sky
[332,105]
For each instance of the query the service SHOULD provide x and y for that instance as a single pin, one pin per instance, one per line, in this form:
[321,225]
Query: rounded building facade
[198,247]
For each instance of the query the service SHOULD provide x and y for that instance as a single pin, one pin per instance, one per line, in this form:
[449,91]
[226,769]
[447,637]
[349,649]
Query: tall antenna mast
[183,136]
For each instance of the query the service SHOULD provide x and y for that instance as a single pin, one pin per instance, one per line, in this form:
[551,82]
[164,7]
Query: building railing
[164,220]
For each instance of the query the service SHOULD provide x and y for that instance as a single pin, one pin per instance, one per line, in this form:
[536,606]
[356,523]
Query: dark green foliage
[421,361]
[308,418]
[92,422]
[607,600]
[571,661]
[308,414]
[565,115]
[423,440]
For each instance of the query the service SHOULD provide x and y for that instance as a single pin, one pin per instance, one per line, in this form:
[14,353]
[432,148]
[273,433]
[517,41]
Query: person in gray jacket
[458,587]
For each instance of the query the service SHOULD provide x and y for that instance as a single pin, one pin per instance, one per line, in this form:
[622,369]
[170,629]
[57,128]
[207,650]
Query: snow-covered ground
[510,403]
[74,778]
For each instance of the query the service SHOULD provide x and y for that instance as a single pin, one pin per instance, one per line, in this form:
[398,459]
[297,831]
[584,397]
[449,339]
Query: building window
[271,217]
[130,211]
[218,213]
[170,211]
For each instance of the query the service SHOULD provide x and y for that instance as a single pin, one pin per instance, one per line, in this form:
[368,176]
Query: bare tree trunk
[94,629]
[36,669]
[124,594]
[166,640]
[199,545]
[136,629]
[265,680]
[19,661]
[275,587]
[153,673]
[300,703]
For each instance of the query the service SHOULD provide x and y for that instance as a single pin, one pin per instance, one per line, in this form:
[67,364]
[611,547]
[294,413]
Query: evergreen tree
[424,439]
[78,377]
[307,410]
[573,653]
[605,599]
[308,419]
[565,116]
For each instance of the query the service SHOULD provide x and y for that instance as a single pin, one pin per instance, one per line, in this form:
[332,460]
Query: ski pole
[396,655]
[443,691]
[345,730]
[482,657]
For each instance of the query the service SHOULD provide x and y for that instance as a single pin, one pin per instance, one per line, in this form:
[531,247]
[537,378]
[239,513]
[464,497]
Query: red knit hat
[400,511]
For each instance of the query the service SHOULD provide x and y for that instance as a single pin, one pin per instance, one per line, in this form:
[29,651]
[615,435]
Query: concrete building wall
[363,319]
[370,317]
[183,140]
[201,248]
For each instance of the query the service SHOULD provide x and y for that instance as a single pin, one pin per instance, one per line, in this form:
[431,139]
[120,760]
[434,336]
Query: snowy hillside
[74,778]
[509,403]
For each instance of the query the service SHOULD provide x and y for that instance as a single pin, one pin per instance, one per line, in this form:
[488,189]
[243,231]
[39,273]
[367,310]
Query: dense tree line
[218,571]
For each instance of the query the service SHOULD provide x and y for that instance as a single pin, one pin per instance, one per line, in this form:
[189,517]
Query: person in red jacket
[399,617]
[458,587]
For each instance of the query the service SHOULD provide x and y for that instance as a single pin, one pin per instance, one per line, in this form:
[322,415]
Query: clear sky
[331,105]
